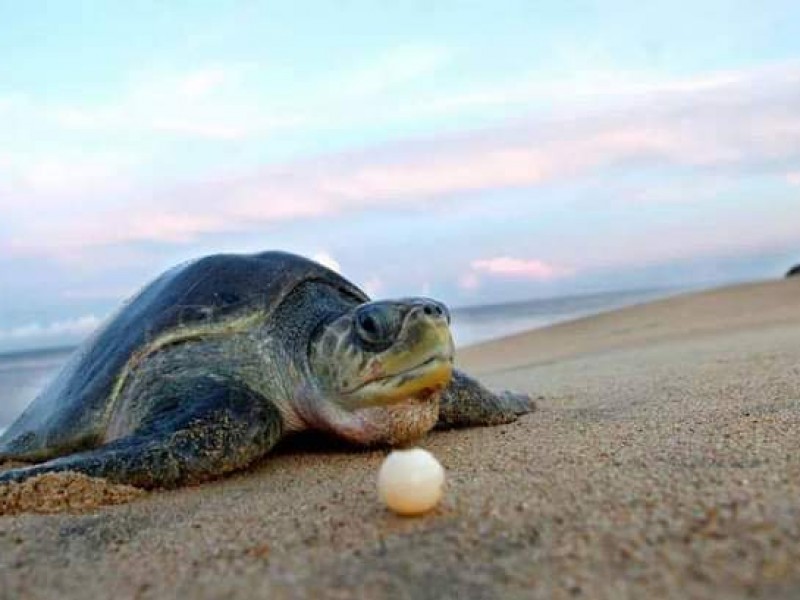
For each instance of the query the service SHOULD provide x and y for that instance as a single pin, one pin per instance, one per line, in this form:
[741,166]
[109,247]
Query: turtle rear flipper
[467,403]
[226,427]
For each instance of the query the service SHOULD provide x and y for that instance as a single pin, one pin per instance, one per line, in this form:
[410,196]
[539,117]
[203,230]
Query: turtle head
[382,366]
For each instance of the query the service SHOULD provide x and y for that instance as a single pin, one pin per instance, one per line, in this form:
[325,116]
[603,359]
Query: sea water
[24,374]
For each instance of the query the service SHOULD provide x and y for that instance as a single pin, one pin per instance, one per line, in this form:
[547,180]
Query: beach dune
[664,461]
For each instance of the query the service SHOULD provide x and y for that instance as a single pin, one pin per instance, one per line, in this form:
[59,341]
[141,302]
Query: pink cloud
[728,123]
[469,281]
[326,259]
[506,266]
[373,286]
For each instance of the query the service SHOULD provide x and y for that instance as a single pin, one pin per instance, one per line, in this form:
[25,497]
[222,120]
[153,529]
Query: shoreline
[468,309]
[664,461]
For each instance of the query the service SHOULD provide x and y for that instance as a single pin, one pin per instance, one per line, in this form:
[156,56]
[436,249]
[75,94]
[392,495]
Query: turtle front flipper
[225,427]
[467,403]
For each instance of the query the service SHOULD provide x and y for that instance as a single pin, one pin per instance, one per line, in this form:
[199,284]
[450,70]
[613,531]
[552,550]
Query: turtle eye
[374,325]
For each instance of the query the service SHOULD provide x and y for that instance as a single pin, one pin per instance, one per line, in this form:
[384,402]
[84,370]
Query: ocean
[24,374]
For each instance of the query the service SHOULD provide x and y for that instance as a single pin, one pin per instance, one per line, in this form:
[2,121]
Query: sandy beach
[664,461]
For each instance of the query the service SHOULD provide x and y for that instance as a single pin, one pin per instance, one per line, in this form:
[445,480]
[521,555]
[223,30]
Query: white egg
[411,482]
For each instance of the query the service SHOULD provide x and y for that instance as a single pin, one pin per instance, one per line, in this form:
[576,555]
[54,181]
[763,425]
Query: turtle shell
[201,291]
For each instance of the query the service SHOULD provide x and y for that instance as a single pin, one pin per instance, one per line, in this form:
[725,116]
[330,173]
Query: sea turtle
[205,369]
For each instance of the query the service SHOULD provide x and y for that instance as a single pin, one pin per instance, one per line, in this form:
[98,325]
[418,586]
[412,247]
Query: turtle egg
[411,482]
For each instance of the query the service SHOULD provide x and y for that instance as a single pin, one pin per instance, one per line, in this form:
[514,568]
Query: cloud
[199,83]
[506,266]
[213,103]
[64,177]
[793,178]
[326,260]
[373,286]
[469,281]
[9,102]
[391,69]
[734,122]
[77,327]
[228,101]
[578,89]
[99,293]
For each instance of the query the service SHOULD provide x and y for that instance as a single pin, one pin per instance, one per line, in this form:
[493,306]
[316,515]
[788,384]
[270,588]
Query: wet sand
[664,461]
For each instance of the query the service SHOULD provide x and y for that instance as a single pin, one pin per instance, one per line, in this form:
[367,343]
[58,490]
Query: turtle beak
[424,338]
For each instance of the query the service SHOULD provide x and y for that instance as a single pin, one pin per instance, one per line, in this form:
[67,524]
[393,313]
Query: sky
[474,151]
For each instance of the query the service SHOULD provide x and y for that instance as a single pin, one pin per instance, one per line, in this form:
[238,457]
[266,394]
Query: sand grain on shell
[63,492]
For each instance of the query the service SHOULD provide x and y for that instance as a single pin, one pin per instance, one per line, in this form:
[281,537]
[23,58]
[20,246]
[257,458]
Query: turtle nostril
[429,310]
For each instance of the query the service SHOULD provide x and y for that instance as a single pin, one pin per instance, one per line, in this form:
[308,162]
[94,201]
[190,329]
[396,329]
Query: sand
[664,461]
[62,493]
